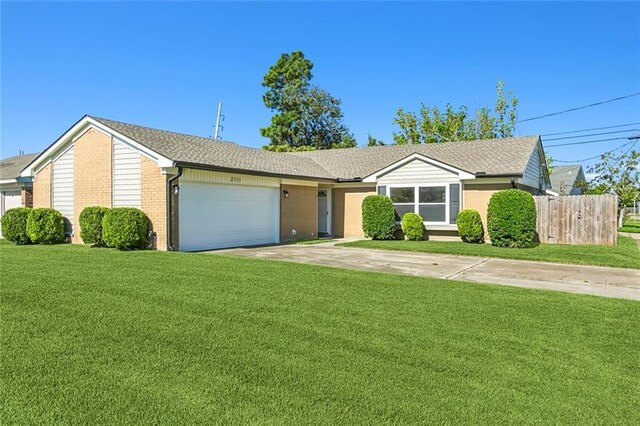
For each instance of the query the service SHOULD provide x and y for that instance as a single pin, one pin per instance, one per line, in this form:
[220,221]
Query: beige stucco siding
[477,196]
[299,211]
[347,210]
[92,175]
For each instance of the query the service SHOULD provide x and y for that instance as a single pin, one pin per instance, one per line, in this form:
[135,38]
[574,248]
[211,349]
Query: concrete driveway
[594,280]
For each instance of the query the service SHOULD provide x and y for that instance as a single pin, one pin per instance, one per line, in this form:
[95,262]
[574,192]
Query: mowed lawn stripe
[100,336]
[624,255]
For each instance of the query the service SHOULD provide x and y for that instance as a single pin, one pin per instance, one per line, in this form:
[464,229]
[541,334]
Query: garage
[218,210]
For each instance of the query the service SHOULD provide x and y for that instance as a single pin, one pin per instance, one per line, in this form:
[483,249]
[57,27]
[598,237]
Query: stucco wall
[91,175]
[154,199]
[347,210]
[42,188]
[298,211]
[477,197]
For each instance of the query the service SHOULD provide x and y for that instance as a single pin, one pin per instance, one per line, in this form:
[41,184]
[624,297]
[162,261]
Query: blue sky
[167,65]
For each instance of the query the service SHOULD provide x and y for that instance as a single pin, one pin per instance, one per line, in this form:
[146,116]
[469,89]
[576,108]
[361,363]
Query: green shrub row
[470,227]
[413,227]
[124,228]
[378,217]
[26,226]
[511,219]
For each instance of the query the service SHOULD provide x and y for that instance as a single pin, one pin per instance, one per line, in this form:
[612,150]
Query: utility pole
[218,128]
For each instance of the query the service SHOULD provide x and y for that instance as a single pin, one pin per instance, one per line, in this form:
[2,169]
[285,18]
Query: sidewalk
[593,280]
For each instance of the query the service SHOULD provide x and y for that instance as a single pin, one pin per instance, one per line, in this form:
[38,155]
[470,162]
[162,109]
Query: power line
[588,130]
[593,134]
[586,142]
[599,155]
[579,108]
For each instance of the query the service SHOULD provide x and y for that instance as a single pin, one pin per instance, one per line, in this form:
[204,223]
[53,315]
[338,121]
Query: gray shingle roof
[199,150]
[507,156]
[566,174]
[11,167]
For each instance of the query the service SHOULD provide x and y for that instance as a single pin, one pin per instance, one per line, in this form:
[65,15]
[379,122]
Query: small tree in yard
[616,174]
[511,219]
[378,217]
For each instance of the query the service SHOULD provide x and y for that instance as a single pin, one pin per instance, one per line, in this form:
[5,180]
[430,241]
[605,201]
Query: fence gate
[577,219]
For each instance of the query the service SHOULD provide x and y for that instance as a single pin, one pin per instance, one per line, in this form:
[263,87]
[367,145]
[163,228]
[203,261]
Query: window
[403,200]
[432,204]
[438,204]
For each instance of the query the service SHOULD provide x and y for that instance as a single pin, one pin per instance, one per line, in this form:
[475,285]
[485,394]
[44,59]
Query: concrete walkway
[594,280]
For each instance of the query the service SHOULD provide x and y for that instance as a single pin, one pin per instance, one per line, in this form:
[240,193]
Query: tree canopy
[306,117]
[433,125]
[616,174]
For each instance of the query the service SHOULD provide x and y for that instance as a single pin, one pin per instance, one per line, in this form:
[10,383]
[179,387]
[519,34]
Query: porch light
[176,189]
[285,193]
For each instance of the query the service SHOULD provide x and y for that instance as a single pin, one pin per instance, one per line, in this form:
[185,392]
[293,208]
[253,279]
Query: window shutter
[454,202]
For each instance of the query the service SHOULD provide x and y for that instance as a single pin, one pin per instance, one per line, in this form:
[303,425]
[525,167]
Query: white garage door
[9,200]
[213,215]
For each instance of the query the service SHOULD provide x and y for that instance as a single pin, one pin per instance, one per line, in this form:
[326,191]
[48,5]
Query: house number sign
[235,179]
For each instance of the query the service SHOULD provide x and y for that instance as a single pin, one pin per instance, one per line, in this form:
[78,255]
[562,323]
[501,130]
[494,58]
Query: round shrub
[14,225]
[511,218]
[378,217]
[470,226]
[412,227]
[91,225]
[125,228]
[45,226]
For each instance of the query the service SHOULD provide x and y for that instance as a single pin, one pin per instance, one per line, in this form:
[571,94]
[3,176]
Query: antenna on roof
[218,127]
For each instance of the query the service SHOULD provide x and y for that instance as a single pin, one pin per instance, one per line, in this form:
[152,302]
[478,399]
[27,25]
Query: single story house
[564,179]
[201,193]
[15,191]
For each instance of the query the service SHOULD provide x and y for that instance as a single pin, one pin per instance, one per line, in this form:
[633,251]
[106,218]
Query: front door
[323,211]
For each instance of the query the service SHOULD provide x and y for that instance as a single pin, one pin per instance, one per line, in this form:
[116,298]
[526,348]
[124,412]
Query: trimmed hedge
[45,226]
[91,225]
[14,225]
[470,228]
[412,227]
[378,217]
[511,218]
[125,228]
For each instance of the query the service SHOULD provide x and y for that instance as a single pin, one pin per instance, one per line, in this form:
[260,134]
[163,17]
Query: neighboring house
[203,194]
[565,178]
[15,191]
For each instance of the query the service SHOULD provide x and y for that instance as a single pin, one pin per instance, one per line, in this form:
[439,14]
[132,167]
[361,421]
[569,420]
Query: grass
[97,336]
[630,226]
[624,255]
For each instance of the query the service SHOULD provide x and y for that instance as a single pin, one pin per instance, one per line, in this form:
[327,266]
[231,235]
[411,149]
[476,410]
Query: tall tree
[432,125]
[306,117]
[372,141]
[616,174]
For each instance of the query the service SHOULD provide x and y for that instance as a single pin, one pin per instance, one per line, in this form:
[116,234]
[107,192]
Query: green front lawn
[624,255]
[97,336]
[630,226]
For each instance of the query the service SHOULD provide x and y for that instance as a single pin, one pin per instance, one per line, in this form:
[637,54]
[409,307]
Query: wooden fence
[577,219]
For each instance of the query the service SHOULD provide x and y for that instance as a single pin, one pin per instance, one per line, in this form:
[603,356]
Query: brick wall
[27,197]
[42,188]
[298,211]
[92,175]
[154,200]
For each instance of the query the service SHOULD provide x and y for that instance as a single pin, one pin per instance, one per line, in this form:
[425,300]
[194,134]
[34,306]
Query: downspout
[170,245]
